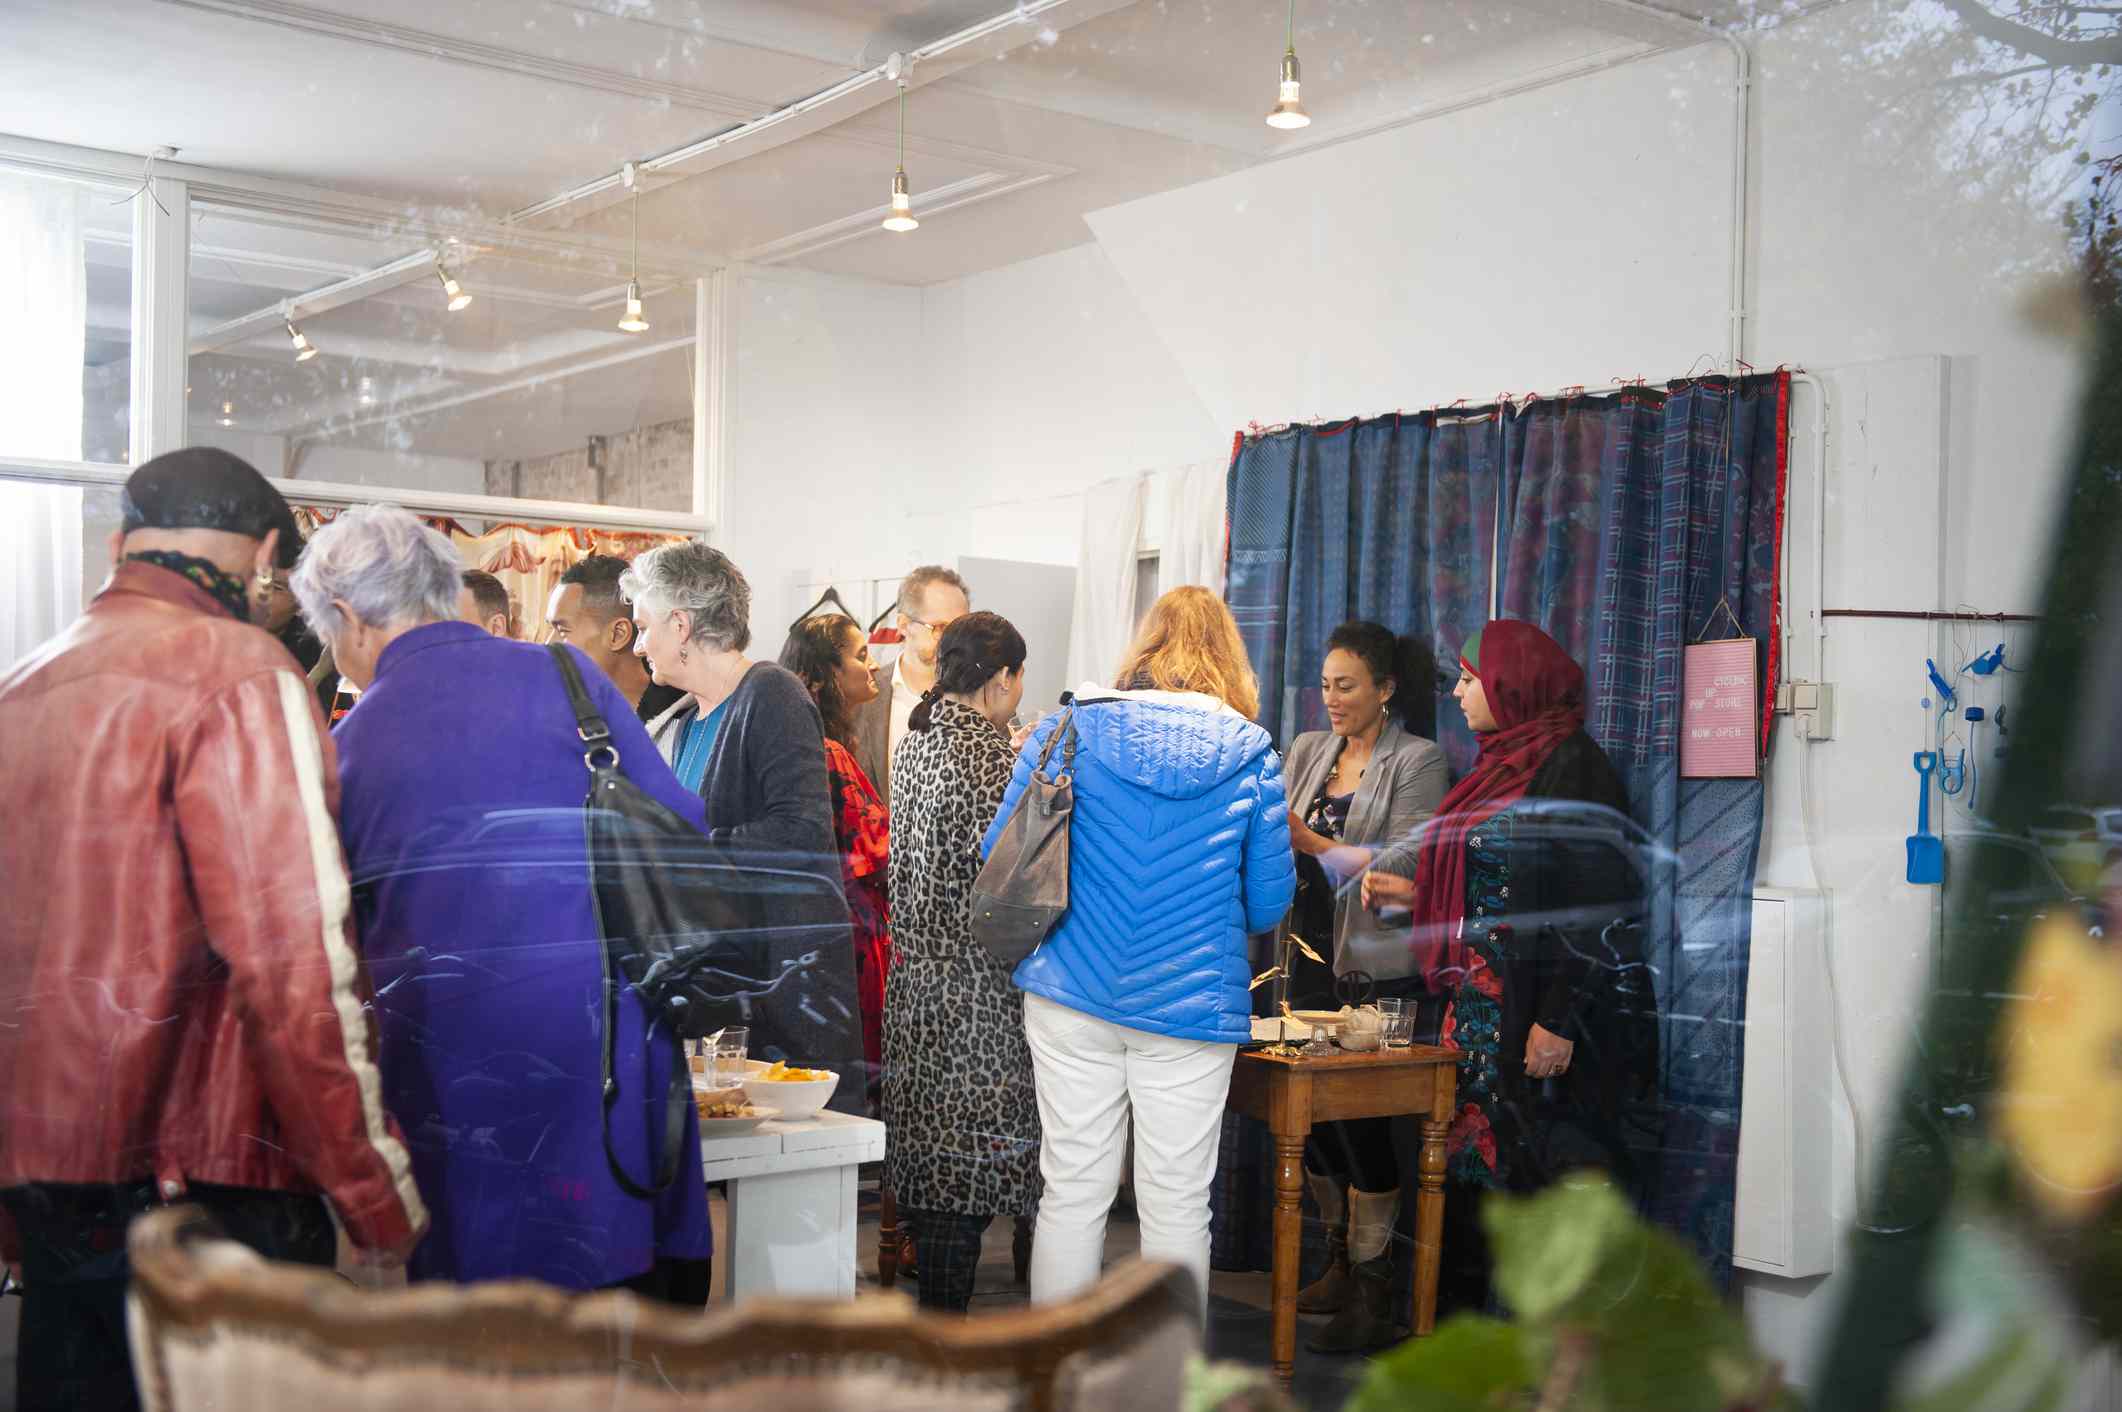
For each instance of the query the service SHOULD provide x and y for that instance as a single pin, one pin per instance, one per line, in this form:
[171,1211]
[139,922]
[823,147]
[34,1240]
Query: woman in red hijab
[1526,897]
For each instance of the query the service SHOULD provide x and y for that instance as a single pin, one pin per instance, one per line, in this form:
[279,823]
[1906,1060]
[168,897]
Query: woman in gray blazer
[1355,790]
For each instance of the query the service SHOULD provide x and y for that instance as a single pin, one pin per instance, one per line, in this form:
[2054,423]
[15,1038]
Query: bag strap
[1068,749]
[597,736]
[676,1095]
[589,722]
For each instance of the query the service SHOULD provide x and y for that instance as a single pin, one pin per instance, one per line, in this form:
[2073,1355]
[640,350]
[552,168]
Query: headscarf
[1536,693]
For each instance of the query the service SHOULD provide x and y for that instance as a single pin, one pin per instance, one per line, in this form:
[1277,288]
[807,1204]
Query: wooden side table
[1291,1093]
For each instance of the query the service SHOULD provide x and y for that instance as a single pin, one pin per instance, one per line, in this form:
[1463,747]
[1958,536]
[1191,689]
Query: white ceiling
[473,109]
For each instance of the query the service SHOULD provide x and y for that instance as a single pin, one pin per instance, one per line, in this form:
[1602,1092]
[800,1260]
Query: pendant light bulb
[1288,113]
[228,414]
[634,322]
[902,212]
[451,290]
[304,349]
[902,216]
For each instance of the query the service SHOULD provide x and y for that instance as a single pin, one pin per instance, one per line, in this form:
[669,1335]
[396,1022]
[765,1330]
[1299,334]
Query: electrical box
[1785,1219]
[1811,707]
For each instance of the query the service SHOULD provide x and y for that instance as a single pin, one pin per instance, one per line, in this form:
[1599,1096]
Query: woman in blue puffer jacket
[1138,1000]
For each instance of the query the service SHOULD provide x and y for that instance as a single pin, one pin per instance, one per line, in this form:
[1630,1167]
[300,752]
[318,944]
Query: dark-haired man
[484,603]
[587,611]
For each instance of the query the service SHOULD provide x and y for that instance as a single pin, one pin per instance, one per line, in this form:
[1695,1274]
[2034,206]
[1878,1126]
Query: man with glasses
[931,598]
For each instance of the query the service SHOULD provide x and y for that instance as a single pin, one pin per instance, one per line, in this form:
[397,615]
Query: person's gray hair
[385,564]
[697,580]
[919,581]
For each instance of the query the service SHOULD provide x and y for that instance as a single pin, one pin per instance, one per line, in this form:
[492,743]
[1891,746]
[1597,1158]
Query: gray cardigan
[1401,788]
[765,786]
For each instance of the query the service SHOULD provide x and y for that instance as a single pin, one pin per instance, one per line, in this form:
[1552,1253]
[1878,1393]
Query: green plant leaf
[1470,1364]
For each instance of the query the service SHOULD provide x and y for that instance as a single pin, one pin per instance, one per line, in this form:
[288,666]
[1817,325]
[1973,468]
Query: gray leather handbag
[1022,889]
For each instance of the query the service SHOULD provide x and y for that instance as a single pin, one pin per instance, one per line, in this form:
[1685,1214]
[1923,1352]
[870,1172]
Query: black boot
[1365,1322]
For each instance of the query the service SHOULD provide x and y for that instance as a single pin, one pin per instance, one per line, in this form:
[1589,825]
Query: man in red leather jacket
[183,1014]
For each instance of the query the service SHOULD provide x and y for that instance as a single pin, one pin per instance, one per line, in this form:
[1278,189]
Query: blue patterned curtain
[1618,524]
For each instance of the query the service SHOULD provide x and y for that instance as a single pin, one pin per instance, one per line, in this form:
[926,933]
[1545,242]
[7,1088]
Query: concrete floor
[1239,1319]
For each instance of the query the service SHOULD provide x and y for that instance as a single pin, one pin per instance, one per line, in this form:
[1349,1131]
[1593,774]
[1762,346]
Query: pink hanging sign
[1718,698]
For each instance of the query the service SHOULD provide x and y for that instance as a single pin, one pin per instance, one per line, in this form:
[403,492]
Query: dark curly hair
[1406,662]
[813,652]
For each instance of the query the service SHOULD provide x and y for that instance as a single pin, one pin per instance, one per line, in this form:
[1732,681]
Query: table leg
[793,1233]
[1289,1224]
[887,1234]
[1429,1224]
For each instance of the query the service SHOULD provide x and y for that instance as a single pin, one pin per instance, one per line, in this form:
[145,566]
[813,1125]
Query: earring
[265,578]
[682,655]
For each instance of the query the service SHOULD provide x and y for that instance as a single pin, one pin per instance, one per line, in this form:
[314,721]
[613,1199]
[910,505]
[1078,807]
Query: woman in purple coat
[463,782]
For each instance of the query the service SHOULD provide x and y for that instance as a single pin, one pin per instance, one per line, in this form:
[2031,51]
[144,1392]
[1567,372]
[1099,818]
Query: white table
[792,1203]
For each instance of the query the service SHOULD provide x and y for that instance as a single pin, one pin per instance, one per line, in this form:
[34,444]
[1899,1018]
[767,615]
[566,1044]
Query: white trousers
[1090,1074]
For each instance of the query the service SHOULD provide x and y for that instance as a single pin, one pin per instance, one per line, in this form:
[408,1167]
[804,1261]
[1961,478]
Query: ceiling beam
[351,290]
[294,205]
[634,351]
[468,53]
[1030,21]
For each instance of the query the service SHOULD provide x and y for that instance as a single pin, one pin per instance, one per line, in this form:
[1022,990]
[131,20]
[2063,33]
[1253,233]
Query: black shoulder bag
[656,932]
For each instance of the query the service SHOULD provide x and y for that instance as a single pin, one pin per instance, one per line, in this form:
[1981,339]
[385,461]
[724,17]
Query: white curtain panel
[1105,578]
[43,327]
[40,565]
[1193,526]
[43,319]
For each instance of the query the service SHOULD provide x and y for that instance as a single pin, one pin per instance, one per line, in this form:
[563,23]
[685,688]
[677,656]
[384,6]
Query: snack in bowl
[792,1092]
[782,1072]
[723,1103]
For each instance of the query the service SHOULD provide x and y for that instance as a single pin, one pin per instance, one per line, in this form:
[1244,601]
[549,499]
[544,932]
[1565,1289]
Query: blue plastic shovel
[1926,851]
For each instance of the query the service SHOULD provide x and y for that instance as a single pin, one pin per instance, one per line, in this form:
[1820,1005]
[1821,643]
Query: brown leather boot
[1328,1293]
[1365,1321]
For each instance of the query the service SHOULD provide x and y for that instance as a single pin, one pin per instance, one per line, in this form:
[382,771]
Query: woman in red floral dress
[831,655]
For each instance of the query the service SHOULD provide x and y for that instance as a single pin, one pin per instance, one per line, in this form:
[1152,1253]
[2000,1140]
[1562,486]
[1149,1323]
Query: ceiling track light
[451,290]
[1288,113]
[634,320]
[304,349]
[902,212]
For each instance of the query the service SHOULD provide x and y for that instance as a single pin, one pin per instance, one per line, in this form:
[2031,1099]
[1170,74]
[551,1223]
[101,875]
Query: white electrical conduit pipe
[1742,85]
[891,71]
[1814,856]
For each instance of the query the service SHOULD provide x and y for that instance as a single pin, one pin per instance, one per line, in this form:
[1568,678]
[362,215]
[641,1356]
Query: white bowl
[793,1100]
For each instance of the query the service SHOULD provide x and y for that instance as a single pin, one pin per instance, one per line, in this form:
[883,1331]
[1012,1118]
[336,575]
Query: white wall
[1045,378]
[1572,235]
[831,458]
[878,427]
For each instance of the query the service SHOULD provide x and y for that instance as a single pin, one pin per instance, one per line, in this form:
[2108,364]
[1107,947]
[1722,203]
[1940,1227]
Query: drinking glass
[730,1053]
[1399,1028]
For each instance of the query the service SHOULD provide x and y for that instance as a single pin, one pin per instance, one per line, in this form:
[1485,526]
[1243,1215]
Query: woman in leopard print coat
[961,1113]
